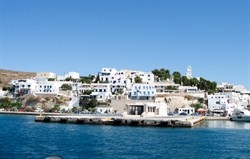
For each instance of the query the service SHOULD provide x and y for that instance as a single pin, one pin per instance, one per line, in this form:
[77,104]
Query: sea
[23,138]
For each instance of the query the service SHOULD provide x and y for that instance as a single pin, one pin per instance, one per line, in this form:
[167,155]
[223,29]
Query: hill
[7,75]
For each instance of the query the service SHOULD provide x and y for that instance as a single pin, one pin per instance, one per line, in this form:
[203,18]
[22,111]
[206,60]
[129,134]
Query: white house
[147,109]
[104,109]
[45,75]
[23,86]
[106,74]
[47,87]
[188,89]
[147,77]
[226,87]
[143,91]
[216,101]
[102,91]
[188,110]
[2,93]
[73,75]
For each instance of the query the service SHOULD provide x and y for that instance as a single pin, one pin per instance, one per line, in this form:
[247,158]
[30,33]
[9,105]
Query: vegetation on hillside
[87,79]
[138,79]
[66,87]
[202,84]
[7,75]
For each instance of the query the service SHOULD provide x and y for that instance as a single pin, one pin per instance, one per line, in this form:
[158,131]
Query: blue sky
[59,36]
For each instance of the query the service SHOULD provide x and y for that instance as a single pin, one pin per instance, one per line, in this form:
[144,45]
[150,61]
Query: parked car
[170,114]
[183,113]
[195,114]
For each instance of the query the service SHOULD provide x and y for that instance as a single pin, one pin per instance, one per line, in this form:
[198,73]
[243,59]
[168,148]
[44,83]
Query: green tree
[207,85]
[56,108]
[185,81]
[157,74]
[194,82]
[197,106]
[74,109]
[97,79]
[201,100]
[87,79]
[87,92]
[90,104]
[177,77]
[162,74]
[51,79]
[69,79]
[93,103]
[66,87]
[138,79]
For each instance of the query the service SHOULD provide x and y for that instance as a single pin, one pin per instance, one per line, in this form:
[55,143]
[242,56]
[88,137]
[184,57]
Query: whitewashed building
[147,77]
[188,89]
[45,75]
[73,75]
[101,91]
[23,86]
[103,109]
[143,92]
[147,109]
[106,74]
[188,110]
[216,101]
[226,87]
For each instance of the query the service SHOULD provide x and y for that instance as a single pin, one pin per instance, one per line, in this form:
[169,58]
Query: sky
[211,36]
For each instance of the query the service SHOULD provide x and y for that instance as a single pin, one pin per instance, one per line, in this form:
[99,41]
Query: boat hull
[240,118]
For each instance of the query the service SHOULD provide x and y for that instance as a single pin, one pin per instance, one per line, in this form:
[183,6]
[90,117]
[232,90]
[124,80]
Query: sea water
[23,138]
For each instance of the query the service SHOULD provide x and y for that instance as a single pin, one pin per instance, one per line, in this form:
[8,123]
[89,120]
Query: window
[44,86]
[134,93]
[28,85]
[217,102]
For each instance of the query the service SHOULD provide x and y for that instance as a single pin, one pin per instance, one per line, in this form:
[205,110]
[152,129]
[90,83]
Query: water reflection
[225,124]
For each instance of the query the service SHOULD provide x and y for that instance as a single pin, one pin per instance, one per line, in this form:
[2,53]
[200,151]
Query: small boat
[240,115]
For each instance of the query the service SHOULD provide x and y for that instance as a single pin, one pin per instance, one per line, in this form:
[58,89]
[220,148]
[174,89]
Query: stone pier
[173,121]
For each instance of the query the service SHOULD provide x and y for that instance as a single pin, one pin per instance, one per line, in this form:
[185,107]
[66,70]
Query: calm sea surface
[21,137]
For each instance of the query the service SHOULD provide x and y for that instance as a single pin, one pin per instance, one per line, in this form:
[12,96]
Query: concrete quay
[175,121]
[31,113]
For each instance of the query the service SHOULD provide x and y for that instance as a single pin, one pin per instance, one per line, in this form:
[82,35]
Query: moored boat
[240,115]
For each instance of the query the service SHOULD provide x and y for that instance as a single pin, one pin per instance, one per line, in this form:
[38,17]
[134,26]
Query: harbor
[175,121]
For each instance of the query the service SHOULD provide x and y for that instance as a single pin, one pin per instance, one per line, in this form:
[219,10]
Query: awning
[201,110]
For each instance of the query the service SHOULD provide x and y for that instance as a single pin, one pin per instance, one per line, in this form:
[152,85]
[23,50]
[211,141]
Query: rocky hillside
[7,75]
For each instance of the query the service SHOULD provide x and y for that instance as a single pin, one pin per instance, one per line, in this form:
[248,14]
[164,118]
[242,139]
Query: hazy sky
[59,36]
